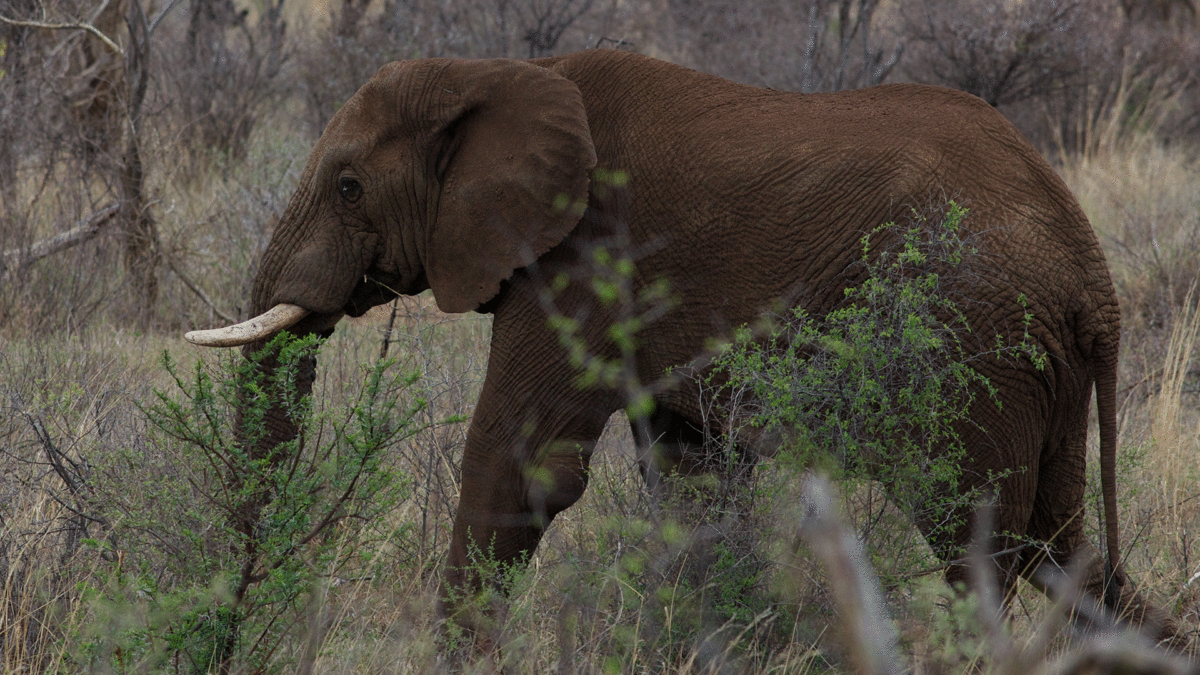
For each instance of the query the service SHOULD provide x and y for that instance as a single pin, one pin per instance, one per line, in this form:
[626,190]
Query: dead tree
[126,92]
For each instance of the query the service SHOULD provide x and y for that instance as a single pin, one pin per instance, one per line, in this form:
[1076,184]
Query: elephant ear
[515,156]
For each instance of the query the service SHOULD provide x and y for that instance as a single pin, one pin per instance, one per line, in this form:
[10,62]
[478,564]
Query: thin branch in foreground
[868,633]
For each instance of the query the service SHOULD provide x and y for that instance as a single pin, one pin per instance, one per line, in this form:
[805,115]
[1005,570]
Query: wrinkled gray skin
[476,179]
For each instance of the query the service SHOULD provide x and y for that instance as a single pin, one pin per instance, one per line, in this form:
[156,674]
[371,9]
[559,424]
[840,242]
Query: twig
[108,42]
[70,473]
[54,455]
[187,281]
[387,334]
[161,14]
[996,555]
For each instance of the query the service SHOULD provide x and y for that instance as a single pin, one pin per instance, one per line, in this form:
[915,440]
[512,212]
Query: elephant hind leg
[1054,538]
[1057,519]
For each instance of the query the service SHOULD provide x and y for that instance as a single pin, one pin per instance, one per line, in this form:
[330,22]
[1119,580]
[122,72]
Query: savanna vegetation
[146,148]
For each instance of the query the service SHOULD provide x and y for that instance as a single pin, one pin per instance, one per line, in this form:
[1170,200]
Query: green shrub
[873,391]
[243,543]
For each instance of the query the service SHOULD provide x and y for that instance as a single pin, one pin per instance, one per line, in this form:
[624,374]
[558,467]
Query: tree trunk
[140,237]
[139,231]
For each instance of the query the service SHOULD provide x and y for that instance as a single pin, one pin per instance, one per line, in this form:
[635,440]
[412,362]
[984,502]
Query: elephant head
[443,175]
[437,174]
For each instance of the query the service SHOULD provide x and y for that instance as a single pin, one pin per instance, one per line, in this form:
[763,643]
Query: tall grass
[1141,193]
[1171,440]
[1168,508]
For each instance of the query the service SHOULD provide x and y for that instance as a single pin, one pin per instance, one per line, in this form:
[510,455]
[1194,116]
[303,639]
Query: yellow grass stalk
[1131,119]
[1173,445]
[1171,458]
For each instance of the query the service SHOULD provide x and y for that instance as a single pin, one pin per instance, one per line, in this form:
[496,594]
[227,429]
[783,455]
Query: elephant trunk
[263,435]
[260,436]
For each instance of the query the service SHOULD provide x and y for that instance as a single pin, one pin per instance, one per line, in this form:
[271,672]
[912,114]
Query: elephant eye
[351,189]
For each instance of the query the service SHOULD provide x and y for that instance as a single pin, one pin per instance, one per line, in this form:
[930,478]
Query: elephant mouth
[378,287]
[372,290]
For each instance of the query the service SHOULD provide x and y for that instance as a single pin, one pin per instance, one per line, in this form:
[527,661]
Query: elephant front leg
[512,487]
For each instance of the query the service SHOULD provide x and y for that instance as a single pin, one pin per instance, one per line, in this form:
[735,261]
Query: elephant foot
[470,636]
[1154,622]
[1129,607]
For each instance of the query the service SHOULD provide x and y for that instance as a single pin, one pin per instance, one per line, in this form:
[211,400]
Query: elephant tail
[1106,408]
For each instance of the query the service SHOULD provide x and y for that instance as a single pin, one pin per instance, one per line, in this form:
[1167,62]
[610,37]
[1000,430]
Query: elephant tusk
[260,327]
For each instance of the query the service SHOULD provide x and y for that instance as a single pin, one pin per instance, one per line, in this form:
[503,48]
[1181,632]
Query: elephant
[492,181]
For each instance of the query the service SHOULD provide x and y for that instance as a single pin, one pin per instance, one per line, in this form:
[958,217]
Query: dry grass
[1142,196]
[1142,200]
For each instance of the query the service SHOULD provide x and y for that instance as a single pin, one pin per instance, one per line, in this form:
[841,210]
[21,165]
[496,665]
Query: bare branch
[108,42]
[83,231]
[162,14]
